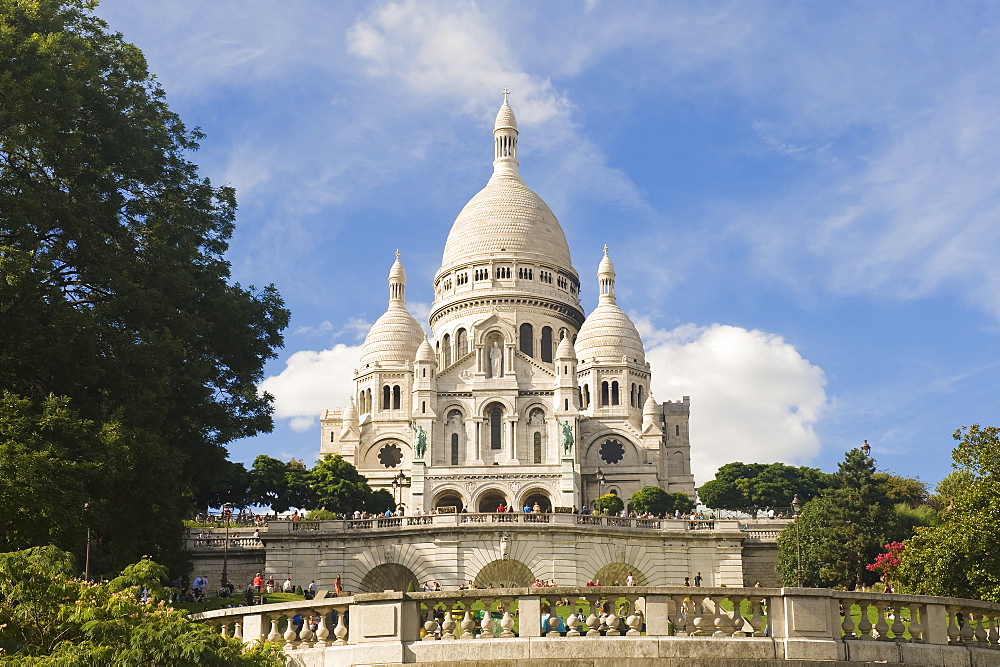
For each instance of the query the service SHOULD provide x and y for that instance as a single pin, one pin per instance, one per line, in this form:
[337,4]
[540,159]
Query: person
[287,587]
[697,579]
[249,593]
[270,584]
[630,580]
[258,582]
[338,586]
[297,622]
[311,593]
[687,581]
[295,516]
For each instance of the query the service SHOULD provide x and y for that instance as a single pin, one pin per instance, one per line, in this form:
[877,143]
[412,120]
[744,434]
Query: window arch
[446,349]
[454,427]
[585,396]
[527,343]
[632,396]
[454,449]
[604,394]
[494,412]
[461,344]
[642,399]
[614,393]
[546,352]
[538,447]
[396,394]
[386,397]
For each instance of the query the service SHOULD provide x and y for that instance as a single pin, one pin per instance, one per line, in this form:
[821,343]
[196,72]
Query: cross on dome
[505,93]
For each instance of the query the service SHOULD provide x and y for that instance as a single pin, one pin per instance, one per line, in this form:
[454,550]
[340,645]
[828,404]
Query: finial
[397,251]
[505,93]
[605,249]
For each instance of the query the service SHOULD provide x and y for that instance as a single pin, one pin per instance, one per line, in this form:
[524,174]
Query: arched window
[368,401]
[604,394]
[496,427]
[642,399]
[454,449]
[386,397]
[614,393]
[585,397]
[631,396]
[446,350]
[526,344]
[677,429]
[395,397]
[423,406]
[461,344]
[546,352]
[538,447]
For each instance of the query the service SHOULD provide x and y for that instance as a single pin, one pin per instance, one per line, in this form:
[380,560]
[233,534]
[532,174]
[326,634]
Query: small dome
[565,349]
[608,335]
[350,417]
[650,407]
[425,353]
[393,339]
[397,272]
[505,118]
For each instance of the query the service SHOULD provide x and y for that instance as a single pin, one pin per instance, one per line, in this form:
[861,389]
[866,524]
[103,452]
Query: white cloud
[753,397]
[312,382]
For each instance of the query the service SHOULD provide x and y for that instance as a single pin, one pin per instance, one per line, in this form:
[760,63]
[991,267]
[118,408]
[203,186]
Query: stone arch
[535,494]
[369,459]
[388,577]
[618,572]
[449,497]
[505,574]
[629,451]
[489,499]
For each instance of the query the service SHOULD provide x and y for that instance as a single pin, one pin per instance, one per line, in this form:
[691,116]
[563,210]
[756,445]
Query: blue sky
[800,198]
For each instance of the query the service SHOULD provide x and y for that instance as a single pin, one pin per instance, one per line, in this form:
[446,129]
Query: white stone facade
[515,367]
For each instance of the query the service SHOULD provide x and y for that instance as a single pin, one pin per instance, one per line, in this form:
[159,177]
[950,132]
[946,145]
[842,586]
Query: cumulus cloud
[312,382]
[754,398]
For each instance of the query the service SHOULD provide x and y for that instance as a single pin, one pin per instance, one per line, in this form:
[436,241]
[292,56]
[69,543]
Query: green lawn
[221,603]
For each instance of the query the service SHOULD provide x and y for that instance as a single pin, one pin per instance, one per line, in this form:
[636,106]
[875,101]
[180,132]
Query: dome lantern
[505,141]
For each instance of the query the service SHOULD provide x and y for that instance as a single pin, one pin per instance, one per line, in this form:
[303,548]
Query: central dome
[506,218]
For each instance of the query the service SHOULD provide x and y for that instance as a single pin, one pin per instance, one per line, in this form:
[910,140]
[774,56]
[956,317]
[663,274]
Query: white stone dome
[506,219]
[609,335]
[425,352]
[565,349]
[393,339]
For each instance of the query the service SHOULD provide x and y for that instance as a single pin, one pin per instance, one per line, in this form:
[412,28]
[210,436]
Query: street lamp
[796,509]
[86,561]
[397,483]
[599,475]
[227,513]
[866,448]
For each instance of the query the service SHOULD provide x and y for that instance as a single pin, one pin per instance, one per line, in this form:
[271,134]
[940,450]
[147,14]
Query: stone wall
[243,564]
[760,563]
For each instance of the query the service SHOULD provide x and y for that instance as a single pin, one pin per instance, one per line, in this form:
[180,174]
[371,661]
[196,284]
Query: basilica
[521,399]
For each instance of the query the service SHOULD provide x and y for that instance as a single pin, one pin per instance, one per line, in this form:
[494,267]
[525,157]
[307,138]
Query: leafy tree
[839,532]
[49,618]
[609,503]
[115,297]
[337,486]
[907,490]
[269,483]
[229,484]
[949,488]
[655,500]
[756,487]
[959,558]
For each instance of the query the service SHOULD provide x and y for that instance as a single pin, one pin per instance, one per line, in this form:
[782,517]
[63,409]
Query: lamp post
[796,509]
[866,449]
[397,483]
[227,513]
[599,475]
[86,560]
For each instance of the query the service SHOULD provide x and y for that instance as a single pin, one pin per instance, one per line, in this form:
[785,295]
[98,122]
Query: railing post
[529,612]
[808,623]
[657,615]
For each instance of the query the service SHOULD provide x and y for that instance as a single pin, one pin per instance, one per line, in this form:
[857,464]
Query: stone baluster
[274,636]
[307,636]
[431,625]
[980,630]
[290,635]
[680,620]
[865,624]
[917,612]
[882,624]
[507,624]
[553,623]
[847,625]
[699,623]
[448,624]
[967,632]
[738,621]
[593,620]
[322,632]
[992,636]
[238,629]
[468,624]
[486,626]
[572,625]
[954,634]
[756,619]
[340,632]
[612,621]
[720,620]
[634,619]
[897,622]
[224,628]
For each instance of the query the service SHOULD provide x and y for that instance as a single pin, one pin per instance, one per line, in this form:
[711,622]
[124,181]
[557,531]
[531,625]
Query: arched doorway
[490,501]
[538,497]
[616,574]
[505,574]
[449,499]
[388,577]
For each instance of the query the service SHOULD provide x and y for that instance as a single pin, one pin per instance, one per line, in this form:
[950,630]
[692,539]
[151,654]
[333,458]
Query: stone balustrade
[218,542]
[641,624]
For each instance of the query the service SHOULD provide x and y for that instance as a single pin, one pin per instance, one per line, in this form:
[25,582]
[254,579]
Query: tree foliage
[609,503]
[841,531]
[655,500]
[959,558]
[49,618]
[756,487]
[122,330]
[332,484]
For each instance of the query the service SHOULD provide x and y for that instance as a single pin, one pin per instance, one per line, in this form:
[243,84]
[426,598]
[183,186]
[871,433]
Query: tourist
[687,581]
[270,584]
[258,582]
[697,579]
[249,593]
[287,587]
[630,580]
[311,590]
[338,586]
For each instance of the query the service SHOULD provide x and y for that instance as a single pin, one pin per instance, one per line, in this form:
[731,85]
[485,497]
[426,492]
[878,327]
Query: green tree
[959,558]
[756,487]
[337,486]
[114,292]
[950,488]
[269,483]
[50,618]
[839,532]
[609,503]
[655,500]
[899,489]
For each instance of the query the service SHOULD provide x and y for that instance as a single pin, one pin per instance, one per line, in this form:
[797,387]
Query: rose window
[390,455]
[612,451]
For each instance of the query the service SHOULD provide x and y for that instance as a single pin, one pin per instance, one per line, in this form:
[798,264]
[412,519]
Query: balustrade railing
[216,542]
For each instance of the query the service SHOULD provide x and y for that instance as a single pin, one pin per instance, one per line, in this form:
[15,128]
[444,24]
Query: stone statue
[567,437]
[496,360]
[421,435]
[504,546]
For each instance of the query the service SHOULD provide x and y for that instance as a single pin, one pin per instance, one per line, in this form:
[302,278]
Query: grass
[210,604]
